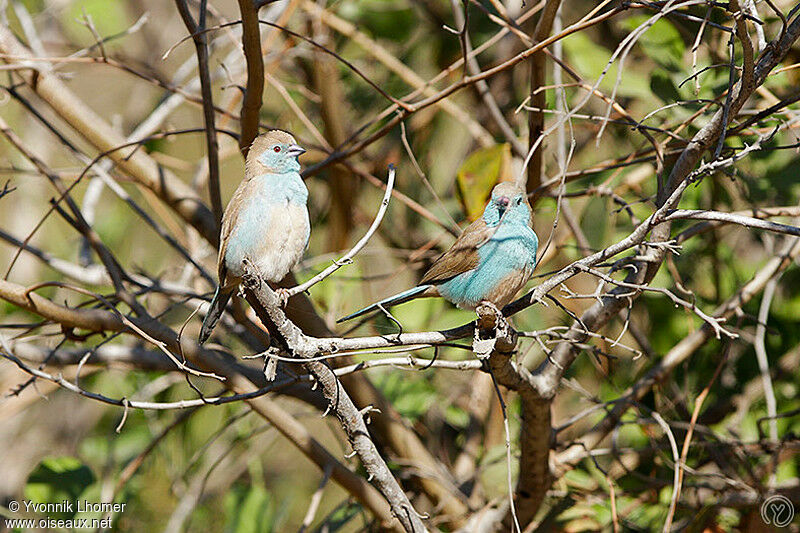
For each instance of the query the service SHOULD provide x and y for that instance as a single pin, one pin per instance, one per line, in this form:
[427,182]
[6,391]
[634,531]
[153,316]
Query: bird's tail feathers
[215,311]
[398,298]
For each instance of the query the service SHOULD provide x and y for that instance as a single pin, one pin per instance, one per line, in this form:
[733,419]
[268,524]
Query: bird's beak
[502,204]
[295,150]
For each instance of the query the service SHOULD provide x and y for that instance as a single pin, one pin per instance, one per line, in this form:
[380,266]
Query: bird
[266,222]
[492,259]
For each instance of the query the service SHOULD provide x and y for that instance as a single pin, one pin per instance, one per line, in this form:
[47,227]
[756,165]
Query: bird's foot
[283,295]
[365,413]
[250,276]
[492,332]
[489,316]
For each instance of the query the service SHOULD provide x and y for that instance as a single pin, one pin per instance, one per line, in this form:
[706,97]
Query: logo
[777,511]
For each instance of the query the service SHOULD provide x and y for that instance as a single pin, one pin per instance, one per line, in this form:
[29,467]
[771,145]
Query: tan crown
[253,166]
[507,188]
[264,141]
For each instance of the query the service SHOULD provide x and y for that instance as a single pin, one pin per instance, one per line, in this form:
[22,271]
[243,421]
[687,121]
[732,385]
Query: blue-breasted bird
[490,262]
[266,221]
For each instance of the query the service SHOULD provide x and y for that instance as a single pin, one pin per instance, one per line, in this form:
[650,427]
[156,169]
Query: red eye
[277,149]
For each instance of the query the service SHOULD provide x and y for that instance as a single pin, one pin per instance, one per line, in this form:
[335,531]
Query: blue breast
[512,248]
[268,191]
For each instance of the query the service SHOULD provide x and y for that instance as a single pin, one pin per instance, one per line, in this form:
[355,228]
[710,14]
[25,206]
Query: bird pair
[267,223]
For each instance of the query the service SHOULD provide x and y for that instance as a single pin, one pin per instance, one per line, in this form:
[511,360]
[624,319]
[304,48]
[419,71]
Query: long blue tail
[215,311]
[398,298]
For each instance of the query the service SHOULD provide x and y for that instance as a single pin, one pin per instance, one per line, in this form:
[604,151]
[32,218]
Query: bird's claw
[489,316]
[283,295]
[492,331]
[365,413]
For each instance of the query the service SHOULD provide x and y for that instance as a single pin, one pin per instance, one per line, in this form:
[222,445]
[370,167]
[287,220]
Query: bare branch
[98,132]
[212,148]
[733,218]
[348,257]
[267,302]
[538,62]
[251,105]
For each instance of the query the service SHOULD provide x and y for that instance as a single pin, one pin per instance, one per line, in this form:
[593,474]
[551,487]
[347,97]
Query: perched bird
[490,262]
[266,221]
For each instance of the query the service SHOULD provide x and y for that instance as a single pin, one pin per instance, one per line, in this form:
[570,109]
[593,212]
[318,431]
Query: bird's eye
[277,149]
[519,201]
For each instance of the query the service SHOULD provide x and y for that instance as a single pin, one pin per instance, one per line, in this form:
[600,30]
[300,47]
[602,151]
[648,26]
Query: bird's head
[508,203]
[275,151]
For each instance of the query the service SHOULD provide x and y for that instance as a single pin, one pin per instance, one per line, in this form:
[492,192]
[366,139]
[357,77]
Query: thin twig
[347,258]
[212,147]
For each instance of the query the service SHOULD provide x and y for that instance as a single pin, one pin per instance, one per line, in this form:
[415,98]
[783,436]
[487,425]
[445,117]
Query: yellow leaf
[481,171]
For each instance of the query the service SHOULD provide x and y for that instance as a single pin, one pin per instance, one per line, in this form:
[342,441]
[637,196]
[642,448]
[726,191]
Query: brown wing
[229,219]
[462,256]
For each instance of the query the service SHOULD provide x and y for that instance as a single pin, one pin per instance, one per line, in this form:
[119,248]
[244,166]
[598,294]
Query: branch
[99,320]
[136,404]
[347,258]
[466,81]
[704,138]
[732,218]
[212,148]
[241,379]
[373,48]
[139,165]
[682,174]
[267,306]
[681,352]
[473,67]
[538,63]
[142,359]
[102,136]
[298,435]
[534,471]
[599,314]
[251,105]
[756,212]
[342,185]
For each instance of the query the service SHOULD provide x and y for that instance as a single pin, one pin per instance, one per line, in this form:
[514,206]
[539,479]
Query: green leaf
[249,510]
[411,397]
[108,16]
[787,471]
[381,18]
[602,512]
[595,222]
[481,171]
[340,516]
[580,479]
[661,42]
[633,435]
[591,60]
[56,479]
[663,87]
[456,416]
